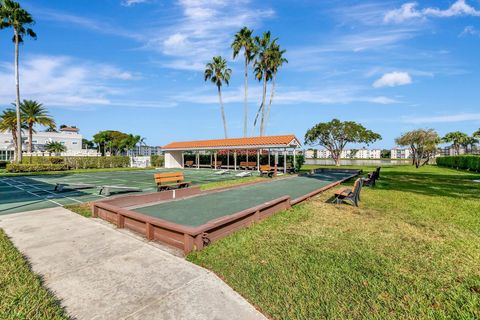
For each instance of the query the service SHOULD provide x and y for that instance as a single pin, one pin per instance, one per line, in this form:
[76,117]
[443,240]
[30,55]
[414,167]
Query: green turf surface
[25,193]
[196,211]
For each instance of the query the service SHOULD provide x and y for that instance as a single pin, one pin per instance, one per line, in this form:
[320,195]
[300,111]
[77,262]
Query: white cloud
[450,118]
[64,81]
[409,11]
[469,31]
[128,3]
[393,79]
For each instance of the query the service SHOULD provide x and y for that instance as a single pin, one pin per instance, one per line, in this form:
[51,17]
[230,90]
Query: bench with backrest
[189,164]
[216,165]
[250,165]
[266,170]
[169,180]
[351,195]
[372,178]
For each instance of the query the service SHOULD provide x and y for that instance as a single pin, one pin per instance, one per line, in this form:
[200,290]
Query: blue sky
[137,65]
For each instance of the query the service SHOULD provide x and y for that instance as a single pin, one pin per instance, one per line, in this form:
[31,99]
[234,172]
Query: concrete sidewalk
[100,273]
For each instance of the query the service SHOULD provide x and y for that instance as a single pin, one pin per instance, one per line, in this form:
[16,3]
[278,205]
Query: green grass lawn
[22,295]
[411,251]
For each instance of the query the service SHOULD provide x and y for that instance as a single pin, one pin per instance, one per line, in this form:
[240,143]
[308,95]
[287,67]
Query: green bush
[157,160]
[81,162]
[467,162]
[3,164]
[16,167]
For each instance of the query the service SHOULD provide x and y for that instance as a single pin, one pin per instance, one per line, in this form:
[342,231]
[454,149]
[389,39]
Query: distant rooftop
[70,129]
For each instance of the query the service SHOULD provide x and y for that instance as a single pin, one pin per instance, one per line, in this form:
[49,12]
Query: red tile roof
[69,129]
[265,141]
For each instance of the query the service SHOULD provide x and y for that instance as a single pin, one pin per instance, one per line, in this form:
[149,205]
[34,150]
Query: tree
[276,62]
[335,135]
[353,153]
[17,18]
[218,73]
[243,40]
[34,113]
[8,122]
[385,154]
[469,142]
[476,134]
[263,72]
[423,144]
[87,144]
[51,129]
[55,147]
[457,139]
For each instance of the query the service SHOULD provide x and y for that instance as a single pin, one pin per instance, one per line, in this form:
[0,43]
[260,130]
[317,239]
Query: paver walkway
[101,273]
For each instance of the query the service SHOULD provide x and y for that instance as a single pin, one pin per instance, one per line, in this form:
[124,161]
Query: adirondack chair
[350,195]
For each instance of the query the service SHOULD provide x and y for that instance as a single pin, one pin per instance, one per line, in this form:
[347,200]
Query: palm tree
[263,72]
[8,122]
[14,16]
[55,147]
[34,113]
[243,40]
[218,73]
[276,62]
[457,139]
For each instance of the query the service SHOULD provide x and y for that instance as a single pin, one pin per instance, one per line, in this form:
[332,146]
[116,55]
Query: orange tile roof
[280,141]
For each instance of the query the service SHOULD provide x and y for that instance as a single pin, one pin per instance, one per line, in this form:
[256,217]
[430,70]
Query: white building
[68,136]
[368,154]
[346,154]
[145,151]
[401,153]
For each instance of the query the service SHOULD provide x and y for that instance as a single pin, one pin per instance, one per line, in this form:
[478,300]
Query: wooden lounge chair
[266,170]
[106,190]
[216,165]
[72,186]
[189,164]
[170,180]
[350,195]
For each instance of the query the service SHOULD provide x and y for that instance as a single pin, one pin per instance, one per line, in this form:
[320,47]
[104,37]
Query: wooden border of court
[194,238]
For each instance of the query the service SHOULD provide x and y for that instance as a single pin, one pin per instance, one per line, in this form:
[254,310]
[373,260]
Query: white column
[228,159]
[258,160]
[183,160]
[268,156]
[198,159]
[285,160]
[235,160]
[215,160]
[294,158]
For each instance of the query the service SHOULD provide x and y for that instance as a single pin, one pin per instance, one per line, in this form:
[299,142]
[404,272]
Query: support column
[285,160]
[268,156]
[294,158]
[215,160]
[228,159]
[183,160]
[246,168]
[258,160]
[235,160]
[198,159]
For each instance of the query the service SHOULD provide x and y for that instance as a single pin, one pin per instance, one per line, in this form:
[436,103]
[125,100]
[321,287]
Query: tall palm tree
[243,40]
[218,73]
[263,72]
[17,18]
[276,62]
[8,122]
[55,147]
[34,113]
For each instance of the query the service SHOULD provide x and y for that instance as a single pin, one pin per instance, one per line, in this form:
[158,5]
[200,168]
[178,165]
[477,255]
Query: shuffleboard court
[25,193]
[198,210]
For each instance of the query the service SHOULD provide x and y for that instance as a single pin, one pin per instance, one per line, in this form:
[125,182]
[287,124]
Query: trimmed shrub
[157,161]
[467,162]
[16,167]
[81,162]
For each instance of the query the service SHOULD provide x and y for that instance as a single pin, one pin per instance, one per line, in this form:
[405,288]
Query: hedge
[467,162]
[16,167]
[81,162]
[157,161]
[205,159]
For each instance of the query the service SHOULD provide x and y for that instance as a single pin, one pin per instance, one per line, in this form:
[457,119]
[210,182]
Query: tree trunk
[17,101]
[271,100]
[245,101]
[30,137]
[262,122]
[222,110]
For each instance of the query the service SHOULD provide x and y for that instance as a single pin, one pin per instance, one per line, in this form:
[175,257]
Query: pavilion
[175,151]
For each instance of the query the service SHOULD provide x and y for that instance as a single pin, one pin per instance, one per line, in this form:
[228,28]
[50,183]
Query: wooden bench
[169,180]
[266,170]
[351,195]
[217,165]
[371,181]
[248,165]
[189,164]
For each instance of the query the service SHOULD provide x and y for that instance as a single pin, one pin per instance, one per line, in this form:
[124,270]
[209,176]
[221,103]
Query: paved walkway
[101,273]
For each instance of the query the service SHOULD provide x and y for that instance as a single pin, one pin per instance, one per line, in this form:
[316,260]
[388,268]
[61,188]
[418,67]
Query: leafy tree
[243,40]
[276,61]
[476,134]
[262,66]
[87,144]
[335,135]
[423,144]
[218,73]
[51,129]
[34,113]
[115,142]
[353,153]
[469,142]
[8,122]
[385,154]
[15,17]
[55,147]
[457,139]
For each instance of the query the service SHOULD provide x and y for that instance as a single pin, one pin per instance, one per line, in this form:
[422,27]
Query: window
[74,142]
